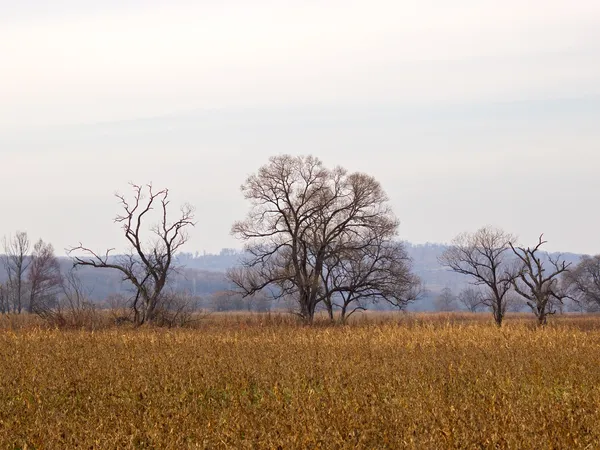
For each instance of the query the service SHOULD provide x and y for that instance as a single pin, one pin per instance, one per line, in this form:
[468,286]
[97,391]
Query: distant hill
[204,274]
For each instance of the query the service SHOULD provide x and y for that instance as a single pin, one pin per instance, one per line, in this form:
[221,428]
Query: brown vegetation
[266,381]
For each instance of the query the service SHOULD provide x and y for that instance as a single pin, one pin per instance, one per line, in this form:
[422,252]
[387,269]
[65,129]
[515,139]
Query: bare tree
[16,262]
[71,308]
[514,302]
[471,299]
[369,271]
[227,301]
[537,285]
[445,301]
[583,283]
[150,260]
[300,211]
[177,309]
[44,277]
[482,256]
[4,300]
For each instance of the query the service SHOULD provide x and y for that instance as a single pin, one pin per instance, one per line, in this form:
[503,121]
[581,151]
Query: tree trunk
[330,310]
[306,312]
[343,313]
[19,288]
[498,314]
[542,316]
[542,319]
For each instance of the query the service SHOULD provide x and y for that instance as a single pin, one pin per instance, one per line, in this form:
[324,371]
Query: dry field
[424,381]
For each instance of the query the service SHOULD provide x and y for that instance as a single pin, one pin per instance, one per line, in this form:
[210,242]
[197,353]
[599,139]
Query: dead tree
[16,262]
[44,277]
[150,261]
[299,211]
[537,285]
[482,256]
[583,283]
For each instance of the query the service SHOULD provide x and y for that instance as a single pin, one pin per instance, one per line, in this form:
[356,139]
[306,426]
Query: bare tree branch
[302,215]
[482,256]
[537,285]
[147,266]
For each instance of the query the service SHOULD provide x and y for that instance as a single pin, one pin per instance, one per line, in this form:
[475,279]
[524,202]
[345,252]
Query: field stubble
[256,382]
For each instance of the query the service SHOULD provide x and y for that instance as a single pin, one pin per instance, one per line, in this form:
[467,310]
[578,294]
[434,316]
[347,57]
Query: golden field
[241,381]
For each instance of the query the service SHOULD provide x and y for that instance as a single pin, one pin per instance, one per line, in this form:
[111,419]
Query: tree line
[315,237]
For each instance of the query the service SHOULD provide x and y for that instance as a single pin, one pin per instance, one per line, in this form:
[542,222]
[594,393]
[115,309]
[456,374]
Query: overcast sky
[469,112]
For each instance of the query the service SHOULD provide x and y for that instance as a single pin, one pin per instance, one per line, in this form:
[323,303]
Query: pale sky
[469,112]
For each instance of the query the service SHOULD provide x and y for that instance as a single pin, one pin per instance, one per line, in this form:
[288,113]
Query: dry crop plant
[428,385]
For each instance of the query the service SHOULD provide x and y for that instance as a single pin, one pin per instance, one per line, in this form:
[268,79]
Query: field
[423,381]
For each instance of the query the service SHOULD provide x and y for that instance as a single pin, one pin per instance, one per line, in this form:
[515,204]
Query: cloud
[464,110]
[124,62]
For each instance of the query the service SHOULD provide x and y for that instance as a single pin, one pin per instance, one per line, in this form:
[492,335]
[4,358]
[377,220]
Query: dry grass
[240,381]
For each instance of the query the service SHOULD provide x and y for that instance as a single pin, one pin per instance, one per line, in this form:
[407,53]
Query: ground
[241,381]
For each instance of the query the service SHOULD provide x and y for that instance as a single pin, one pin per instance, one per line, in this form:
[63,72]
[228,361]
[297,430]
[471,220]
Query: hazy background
[468,112]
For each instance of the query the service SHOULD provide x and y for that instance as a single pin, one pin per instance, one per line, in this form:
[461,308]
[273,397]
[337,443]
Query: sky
[468,112]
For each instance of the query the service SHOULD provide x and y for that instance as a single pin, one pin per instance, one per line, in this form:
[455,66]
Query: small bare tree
[150,261]
[537,285]
[178,309]
[367,272]
[445,301]
[583,283]
[4,300]
[70,308]
[471,299]
[44,277]
[300,211]
[482,256]
[16,262]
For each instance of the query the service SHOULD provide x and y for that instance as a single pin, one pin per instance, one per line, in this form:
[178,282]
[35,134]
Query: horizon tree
[583,283]
[44,276]
[445,301]
[471,299]
[301,216]
[149,263]
[377,270]
[535,283]
[16,262]
[4,300]
[482,255]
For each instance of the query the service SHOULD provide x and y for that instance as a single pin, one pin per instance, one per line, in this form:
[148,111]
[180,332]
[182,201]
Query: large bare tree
[300,212]
[44,277]
[583,282]
[537,284]
[150,260]
[483,256]
[16,262]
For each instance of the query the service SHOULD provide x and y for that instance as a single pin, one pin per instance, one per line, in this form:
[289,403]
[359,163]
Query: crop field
[421,381]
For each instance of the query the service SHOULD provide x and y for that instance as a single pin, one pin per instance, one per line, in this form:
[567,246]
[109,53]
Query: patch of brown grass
[264,381]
